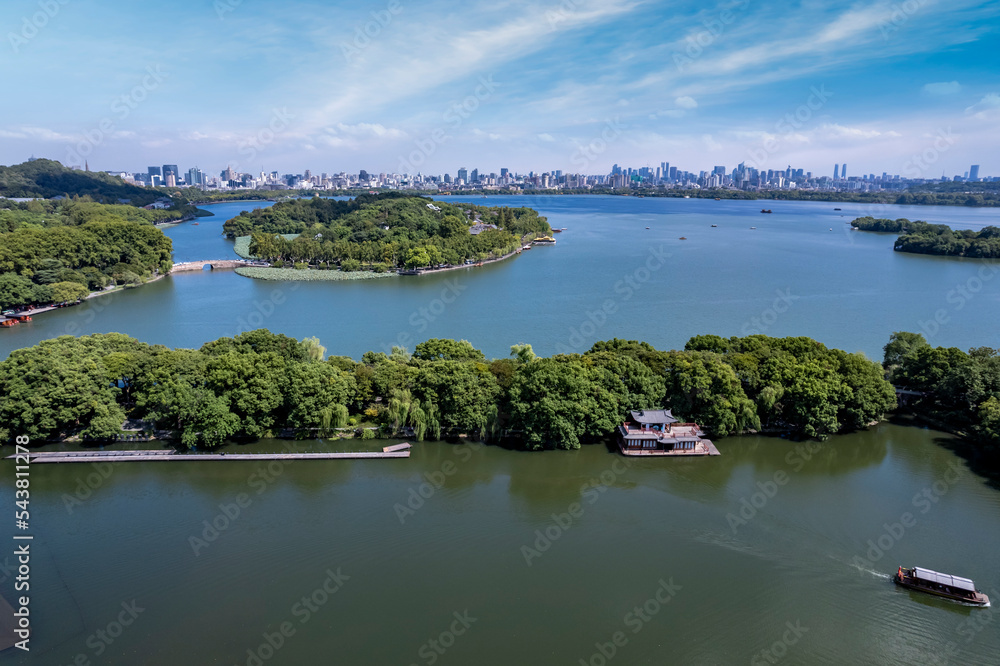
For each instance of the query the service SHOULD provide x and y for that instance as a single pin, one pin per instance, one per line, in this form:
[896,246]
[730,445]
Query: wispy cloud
[942,88]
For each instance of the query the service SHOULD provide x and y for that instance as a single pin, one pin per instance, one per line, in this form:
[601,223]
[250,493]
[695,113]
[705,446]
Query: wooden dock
[405,446]
[167,455]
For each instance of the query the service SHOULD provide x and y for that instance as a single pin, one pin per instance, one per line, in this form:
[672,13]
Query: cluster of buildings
[742,177]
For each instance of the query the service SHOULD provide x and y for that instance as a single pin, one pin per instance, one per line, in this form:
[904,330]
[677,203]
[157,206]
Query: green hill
[48,178]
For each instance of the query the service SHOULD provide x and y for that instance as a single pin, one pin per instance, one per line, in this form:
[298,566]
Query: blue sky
[904,87]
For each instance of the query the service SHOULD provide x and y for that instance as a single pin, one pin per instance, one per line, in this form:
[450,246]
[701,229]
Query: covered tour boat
[942,585]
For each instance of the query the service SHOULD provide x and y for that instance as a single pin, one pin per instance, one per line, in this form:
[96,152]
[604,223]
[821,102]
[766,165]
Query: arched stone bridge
[211,263]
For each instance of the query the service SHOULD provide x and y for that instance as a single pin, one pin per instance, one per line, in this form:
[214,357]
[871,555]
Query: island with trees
[923,238]
[261,384]
[383,232]
[958,389]
[54,252]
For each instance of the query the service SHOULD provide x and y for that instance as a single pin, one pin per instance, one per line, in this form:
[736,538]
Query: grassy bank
[310,275]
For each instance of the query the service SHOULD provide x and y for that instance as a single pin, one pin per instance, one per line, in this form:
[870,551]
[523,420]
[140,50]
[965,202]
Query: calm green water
[732,587]
[769,553]
[790,276]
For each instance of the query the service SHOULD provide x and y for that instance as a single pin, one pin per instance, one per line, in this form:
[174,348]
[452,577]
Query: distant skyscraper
[474,177]
[463,175]
[154,171]
[836,171]
[843,172]
[974,172]
[504,172]
[171,169]
[673,173]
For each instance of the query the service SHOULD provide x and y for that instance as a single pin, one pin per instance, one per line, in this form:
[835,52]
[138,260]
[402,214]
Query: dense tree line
[382,231]
[924,238]
[80,247]
[260,384]
[959,388]
[72,212]
[913,197]
[940,239]
[882,224]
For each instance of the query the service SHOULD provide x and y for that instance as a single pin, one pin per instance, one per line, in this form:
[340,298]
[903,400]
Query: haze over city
[577,86]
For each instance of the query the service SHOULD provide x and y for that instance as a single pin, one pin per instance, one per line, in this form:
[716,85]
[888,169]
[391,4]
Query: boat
[941,585]
[715,225]
[837,209]
[753,227]
[544,240]
[647,227]
[557,231]
[765,210]
[683,238]
[563,229]
[195,224]
[718,198]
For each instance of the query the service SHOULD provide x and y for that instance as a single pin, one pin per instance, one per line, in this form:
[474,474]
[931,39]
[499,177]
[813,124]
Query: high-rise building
[170,180]
[474,176]
[843,171]
[504,172]
[672,173]
[195,177]
[154,171]
[836,171]
[463,175]
[171,169]
[974,172]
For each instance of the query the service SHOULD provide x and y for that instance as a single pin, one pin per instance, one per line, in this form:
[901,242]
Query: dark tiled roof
[662,416]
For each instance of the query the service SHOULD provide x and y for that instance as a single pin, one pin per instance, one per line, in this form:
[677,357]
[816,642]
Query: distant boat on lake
[765,210]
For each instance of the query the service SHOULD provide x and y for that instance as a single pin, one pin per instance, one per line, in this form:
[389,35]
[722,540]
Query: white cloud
[366,130]
[38,134]
[711,143]
[686,102]
[984,107]
[546,137]
[942,88]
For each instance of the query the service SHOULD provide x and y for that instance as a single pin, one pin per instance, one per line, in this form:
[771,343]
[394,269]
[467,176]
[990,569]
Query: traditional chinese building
[655,432]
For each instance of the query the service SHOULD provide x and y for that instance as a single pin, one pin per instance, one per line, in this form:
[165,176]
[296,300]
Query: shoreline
[94,294]
[669,194]
[478,264]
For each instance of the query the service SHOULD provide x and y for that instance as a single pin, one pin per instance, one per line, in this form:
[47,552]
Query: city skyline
[572,85]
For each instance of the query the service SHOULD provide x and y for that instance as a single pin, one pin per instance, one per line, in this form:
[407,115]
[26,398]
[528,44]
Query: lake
[775,552]
[800,272]
[773,549]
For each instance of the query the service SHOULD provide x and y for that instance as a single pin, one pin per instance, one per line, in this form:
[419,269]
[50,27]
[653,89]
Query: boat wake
[877,574]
